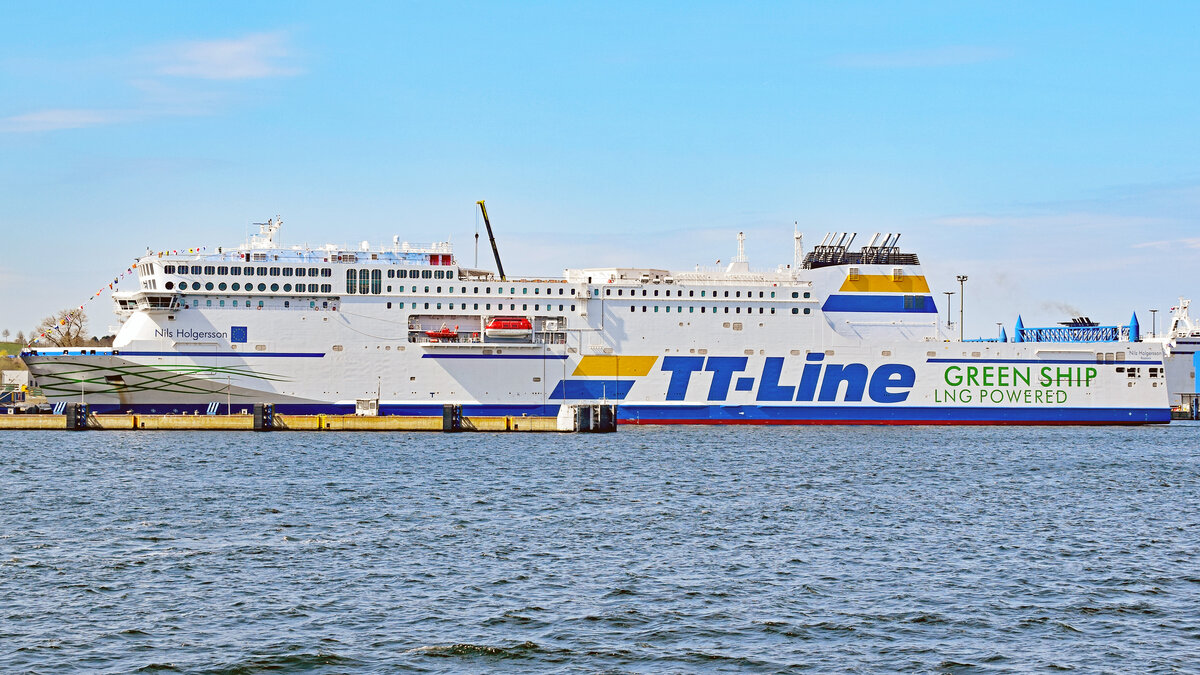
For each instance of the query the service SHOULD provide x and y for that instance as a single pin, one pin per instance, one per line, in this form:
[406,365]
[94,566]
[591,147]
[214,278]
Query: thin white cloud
[937,57]
[63,118]
[1049,220]
[1186,242]
[254,56]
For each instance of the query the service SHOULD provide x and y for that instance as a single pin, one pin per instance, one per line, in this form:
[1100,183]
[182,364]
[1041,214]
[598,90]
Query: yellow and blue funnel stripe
[882,293]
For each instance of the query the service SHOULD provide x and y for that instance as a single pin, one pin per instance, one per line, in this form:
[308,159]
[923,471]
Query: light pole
[948,294]
[962,291]
[999,325]
[1153,322]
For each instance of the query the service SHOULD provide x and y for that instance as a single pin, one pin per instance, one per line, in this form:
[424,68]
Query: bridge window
[351,281]
[364,281]
[376,281]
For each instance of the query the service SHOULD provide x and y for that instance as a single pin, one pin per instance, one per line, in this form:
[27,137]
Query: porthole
[274,287]
[236,286]
[287,288]
[208,286]
[262,287]
[221,286]
[169,285]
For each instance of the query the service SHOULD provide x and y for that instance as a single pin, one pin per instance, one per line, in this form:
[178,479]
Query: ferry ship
[841,335]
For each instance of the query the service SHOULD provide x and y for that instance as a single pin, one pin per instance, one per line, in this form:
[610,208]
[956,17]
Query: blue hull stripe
[877,303]
[720,414]
[592,389]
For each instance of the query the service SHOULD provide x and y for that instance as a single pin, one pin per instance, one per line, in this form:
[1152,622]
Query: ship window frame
[262,287]
[260,271]
[210,269]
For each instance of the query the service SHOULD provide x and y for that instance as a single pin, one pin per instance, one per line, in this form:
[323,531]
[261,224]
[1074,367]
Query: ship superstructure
[841,335]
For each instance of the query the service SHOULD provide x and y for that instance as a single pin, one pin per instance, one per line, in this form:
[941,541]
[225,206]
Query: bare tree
[4,333]
[64,329]
[21,336]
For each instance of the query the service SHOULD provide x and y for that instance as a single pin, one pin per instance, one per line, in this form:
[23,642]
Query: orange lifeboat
[508,327]
[443,333]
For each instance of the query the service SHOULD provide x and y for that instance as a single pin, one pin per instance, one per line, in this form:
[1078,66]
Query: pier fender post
[608,419]
[583,418]
[451,418]
[264,414]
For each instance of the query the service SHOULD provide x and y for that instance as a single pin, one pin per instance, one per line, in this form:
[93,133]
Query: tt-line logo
[889,383]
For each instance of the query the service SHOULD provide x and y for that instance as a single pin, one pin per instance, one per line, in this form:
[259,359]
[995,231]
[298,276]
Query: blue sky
[1047,150]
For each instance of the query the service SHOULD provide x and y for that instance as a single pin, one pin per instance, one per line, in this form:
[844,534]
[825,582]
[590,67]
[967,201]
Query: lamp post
[999,325]
[962,291]
[948,294]
[1153,322]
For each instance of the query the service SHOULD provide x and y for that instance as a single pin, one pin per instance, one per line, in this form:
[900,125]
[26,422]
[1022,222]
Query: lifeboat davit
[443,332]
[508,327]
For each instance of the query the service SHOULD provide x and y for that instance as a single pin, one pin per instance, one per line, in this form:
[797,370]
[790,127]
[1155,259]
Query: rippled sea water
[867,549]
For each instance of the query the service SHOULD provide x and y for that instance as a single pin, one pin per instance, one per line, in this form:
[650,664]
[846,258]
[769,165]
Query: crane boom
[492,238]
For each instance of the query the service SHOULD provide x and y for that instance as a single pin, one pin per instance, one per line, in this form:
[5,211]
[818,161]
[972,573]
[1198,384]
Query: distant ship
[839,336]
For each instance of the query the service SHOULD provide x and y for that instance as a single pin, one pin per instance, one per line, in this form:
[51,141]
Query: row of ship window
[692,293]
[370,282]
[736,310]
[235,286]
[299,271]
[312,304]
[512,307]
[249,271]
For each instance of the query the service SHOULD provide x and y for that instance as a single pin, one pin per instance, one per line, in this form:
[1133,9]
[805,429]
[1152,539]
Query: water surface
[866,549]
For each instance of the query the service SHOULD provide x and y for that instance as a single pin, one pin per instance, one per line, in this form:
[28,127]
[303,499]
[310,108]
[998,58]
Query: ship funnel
[1135,333]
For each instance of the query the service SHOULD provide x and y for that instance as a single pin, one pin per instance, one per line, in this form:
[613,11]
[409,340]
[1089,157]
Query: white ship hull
[793,347]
